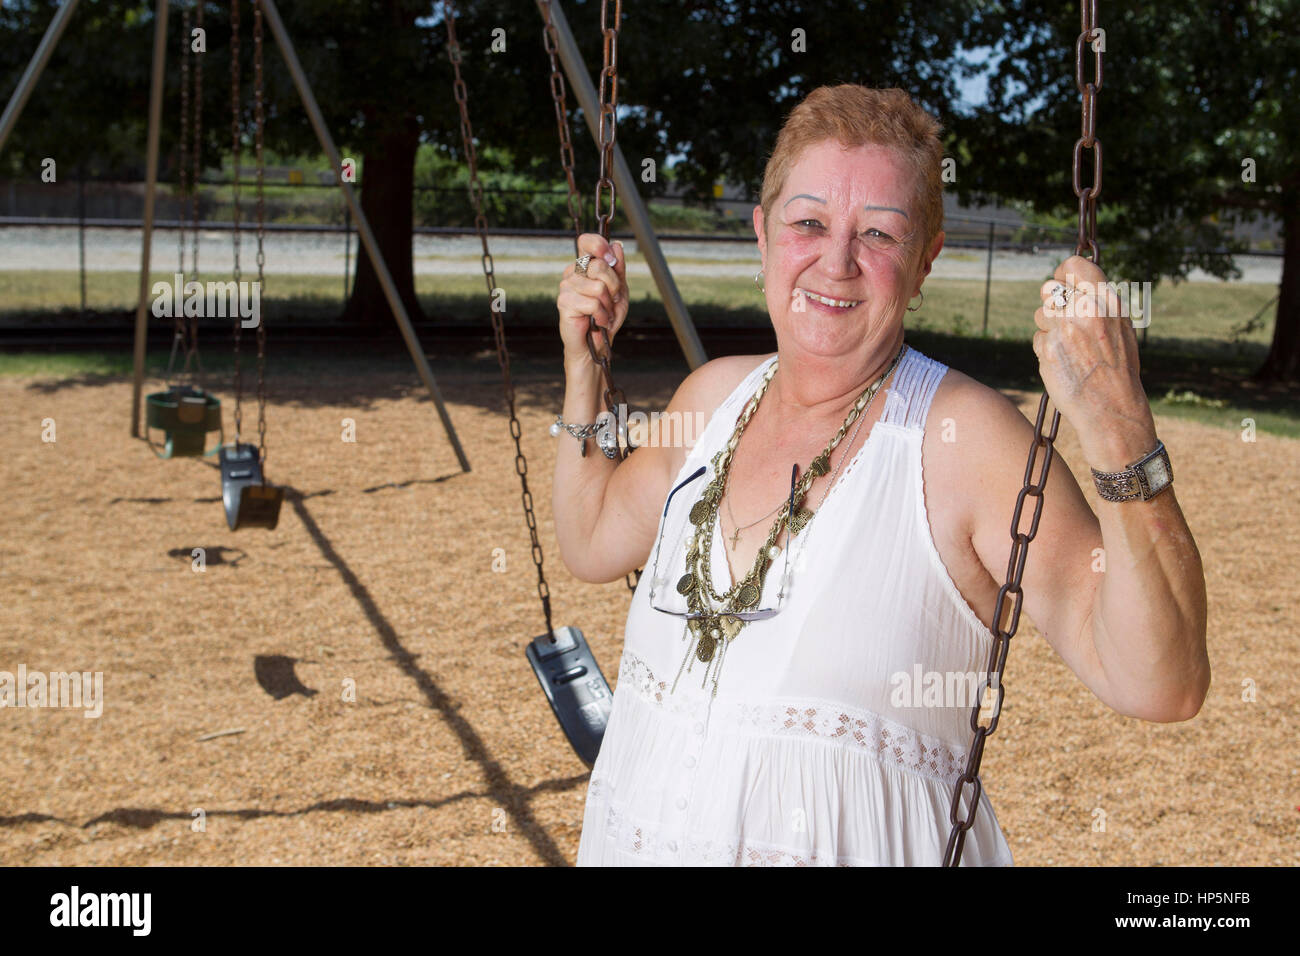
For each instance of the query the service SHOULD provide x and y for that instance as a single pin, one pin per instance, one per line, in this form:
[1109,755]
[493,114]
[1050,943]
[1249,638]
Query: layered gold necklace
[715,624]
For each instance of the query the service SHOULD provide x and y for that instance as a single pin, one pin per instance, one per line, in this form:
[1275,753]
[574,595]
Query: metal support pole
[151,184]
[988,281]
[347,253]
[363,224]
[81,234]
[588,99]
[33,73]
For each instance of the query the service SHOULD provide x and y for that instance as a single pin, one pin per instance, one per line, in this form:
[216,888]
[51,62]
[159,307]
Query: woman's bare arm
[1120,593]
[607,512]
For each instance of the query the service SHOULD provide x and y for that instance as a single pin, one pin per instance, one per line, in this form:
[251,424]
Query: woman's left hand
[1088,358]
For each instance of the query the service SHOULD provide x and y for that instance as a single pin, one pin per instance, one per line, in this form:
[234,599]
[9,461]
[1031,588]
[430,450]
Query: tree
[715,79]
[91,105]
[1197,98]
[1191,91]
[711,79]
[689,73]
[380,73]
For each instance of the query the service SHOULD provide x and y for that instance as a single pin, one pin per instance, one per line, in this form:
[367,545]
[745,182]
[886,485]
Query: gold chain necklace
[715,628]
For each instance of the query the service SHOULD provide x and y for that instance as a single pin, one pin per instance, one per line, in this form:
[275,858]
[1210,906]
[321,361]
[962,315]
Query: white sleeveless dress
[819,748]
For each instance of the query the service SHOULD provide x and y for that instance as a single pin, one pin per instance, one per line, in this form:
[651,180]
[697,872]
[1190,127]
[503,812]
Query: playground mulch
[381,577]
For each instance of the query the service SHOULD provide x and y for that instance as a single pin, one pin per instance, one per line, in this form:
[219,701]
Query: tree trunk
[1283,361]
[387,191]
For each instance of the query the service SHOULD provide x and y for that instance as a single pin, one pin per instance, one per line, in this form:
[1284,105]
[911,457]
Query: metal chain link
[234,151]
[608,113]
[613,395]
[196,152]
[1088,133]
[550,41]
[259,122]
[1087,242]
[178,317]
[498,326]
[183,162]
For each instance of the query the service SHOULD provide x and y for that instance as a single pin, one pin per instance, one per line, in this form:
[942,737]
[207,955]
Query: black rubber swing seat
[574,686]
[185,414]
[248,500]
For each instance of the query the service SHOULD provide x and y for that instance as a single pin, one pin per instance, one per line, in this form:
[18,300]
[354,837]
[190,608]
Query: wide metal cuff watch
[1142,480]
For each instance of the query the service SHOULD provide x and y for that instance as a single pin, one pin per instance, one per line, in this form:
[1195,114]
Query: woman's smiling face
[842,252]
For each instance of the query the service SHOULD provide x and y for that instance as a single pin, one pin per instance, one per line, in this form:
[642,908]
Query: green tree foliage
[91,104]
[1191,90]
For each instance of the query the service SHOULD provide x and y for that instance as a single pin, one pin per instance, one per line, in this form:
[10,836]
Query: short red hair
[855,115]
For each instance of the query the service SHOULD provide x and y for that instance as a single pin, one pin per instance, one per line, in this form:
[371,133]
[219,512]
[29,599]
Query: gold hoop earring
[919,304]
[758,281]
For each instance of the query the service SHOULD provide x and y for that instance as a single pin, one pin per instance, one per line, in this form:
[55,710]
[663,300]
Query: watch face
[1157,474]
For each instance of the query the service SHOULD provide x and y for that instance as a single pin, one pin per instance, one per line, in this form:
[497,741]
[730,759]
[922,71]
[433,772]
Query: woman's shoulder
[713,382]
[958,395]
[699,397]
[971,431]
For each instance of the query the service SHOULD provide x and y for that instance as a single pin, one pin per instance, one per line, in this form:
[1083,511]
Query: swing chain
[613,396]
[608,111]
[1020,540]
[259,123]
[192,347]
[196,152]
[1088,132]
[179,340]
[234,151]
[182,166]
[550,41]
[498,326]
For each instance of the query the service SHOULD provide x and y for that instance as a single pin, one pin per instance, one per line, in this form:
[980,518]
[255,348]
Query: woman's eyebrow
[868,208]
[889,209]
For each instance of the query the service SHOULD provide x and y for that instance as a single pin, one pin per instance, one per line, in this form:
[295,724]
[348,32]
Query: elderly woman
[855,625]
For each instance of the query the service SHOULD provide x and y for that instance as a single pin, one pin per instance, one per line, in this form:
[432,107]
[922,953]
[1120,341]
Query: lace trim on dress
[639,678]
[864,730]
[638,838]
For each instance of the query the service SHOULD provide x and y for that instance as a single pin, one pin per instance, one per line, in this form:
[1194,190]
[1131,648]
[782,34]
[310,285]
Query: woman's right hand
[601,293]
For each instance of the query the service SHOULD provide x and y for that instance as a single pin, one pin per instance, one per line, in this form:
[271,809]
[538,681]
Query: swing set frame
[22,93]
[601,120]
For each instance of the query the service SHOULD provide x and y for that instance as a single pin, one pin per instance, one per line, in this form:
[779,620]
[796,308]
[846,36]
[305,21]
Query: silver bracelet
[604,437]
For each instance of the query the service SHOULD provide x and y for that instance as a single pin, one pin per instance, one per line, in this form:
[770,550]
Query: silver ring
[580,264]
[1061,297]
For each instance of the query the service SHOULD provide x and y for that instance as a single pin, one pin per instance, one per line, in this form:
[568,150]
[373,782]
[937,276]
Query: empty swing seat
[248,500]
[185,414]
[574,686]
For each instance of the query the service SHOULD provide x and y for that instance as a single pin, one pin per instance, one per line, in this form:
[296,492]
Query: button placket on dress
[691,762]
[699,728]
